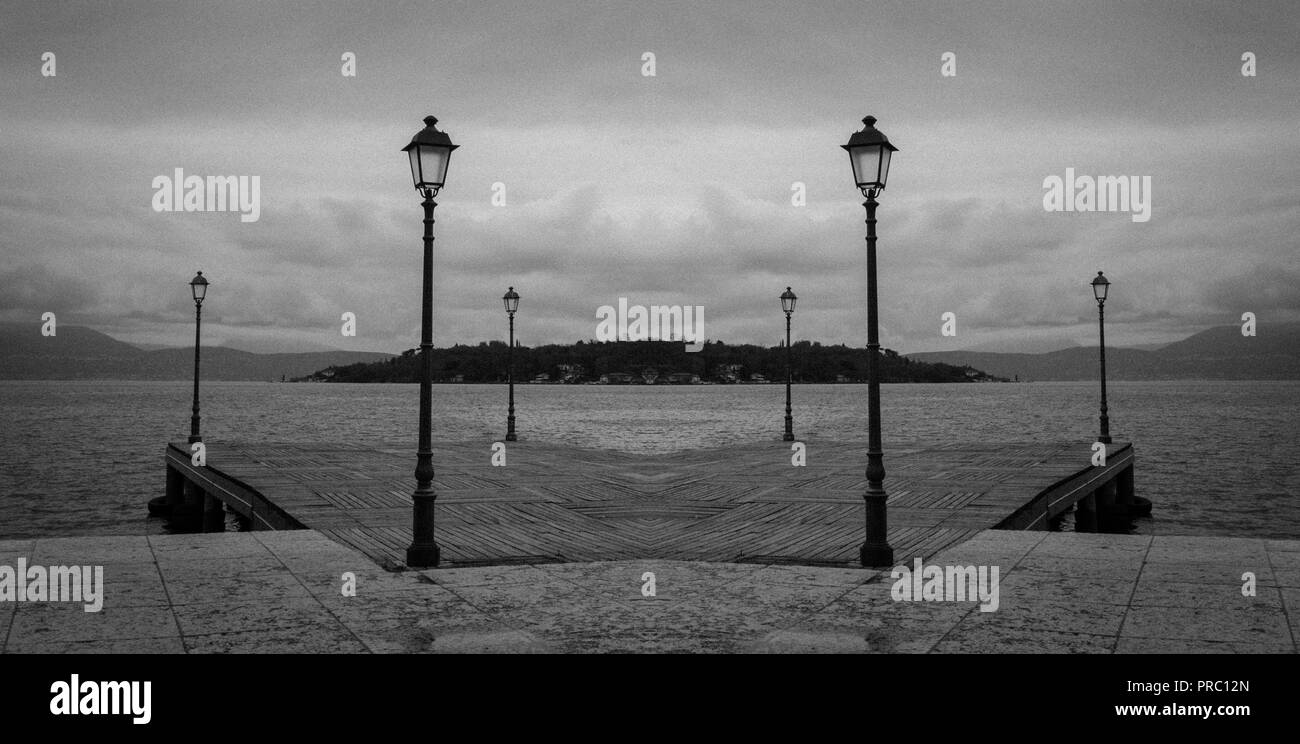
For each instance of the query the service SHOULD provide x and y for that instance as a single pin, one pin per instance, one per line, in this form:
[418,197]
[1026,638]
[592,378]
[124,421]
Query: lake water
[1217,458]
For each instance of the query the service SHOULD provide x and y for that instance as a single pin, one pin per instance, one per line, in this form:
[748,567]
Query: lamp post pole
[198,288]
[430,152]
[869,153]
[423,550]
[510,380]
[1101,287]
[876,550]
[788,301]
[789,377]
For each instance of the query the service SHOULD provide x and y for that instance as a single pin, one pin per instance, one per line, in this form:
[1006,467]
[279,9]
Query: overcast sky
[671,189]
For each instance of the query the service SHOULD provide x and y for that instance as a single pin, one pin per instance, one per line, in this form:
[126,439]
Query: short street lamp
[199,290]
[1100,288]
[511,300]
[787,304]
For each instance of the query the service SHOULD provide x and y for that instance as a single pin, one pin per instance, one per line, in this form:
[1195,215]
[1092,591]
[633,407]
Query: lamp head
[430,152]
[1100,287]
[787,301]
[199,288]
[869,153]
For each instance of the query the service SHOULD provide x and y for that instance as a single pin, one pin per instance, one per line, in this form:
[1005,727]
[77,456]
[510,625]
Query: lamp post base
[423,556]
[876,556]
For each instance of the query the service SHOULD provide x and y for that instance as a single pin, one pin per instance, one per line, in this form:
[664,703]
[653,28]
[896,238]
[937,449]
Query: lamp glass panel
[865,163]
[415,165]
[433,164]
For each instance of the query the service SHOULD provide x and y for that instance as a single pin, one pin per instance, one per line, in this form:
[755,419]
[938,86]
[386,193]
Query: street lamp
[787,304]
[869,153]
[511,300]
[1100,288]
[199,289]
[430,152]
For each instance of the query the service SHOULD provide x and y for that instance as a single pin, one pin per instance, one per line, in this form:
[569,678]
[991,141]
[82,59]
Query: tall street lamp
[430,151]
[1100,287]
[869,152]
[511,300]
[787,304]
[199,289]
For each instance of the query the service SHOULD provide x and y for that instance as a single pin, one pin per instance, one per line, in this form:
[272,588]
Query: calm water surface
[1217,458]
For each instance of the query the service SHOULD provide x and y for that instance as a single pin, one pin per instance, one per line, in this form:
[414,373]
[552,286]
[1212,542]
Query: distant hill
[1220,353]
[78,353]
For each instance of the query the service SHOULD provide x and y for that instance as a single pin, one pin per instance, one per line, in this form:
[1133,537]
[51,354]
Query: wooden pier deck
[738,504]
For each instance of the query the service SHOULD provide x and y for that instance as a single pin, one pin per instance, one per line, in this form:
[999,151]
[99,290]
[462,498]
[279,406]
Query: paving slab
[301,592]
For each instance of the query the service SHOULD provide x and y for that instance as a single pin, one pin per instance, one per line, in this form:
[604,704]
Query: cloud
[671,190]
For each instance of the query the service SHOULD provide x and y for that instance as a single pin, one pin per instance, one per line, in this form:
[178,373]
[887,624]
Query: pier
[551,553]
[742,504]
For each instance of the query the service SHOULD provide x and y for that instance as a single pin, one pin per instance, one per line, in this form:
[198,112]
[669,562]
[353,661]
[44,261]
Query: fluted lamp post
[1100,288]
[787,304]
[511,300]
[430,152]
[199,290]
[869,153]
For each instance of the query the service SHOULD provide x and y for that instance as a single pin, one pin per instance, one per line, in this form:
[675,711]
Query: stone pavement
[281,592]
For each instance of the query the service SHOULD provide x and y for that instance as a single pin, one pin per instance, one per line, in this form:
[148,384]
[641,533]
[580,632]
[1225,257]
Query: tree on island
[590,360]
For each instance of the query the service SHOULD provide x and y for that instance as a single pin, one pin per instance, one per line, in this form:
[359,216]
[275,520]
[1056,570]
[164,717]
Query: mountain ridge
[80,353]
[1220,352]
[77,352]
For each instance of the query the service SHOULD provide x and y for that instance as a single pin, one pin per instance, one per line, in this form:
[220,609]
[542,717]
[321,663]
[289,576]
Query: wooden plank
[561,503]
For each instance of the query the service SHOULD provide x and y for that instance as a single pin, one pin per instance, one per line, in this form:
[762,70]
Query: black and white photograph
[676,327]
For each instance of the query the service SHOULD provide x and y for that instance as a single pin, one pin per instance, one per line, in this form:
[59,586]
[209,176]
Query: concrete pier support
[1085,514]
[1126,490]
[188,514]
[214,514]
[1106,496]
[1136,506]
[1108,509]
[175,493]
